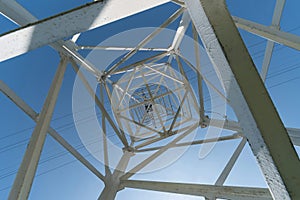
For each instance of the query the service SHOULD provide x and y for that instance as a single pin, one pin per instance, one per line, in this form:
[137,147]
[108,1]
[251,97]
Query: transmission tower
[146,97]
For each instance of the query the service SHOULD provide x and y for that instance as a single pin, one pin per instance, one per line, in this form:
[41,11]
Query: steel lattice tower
[153,106]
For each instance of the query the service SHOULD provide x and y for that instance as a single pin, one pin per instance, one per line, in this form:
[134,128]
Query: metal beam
[180,32]
[227,192]
[294,134]
[24,179]
[140,62]
[139,124]
[270,44]
[269,33]
[153,102]
[196,142]
[16,13]
[209,84]
[231,162]
[34,116]
[188,86]
[110,48]
[146,40]
[104,136]
[199,78]
[178,110]
[80,19]
[110,190]
[99,104]
[223,124]
[248,97]
[156,154]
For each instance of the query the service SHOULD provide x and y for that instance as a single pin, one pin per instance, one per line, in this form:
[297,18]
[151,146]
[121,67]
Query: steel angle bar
[80,19]
[227,192]
[25,175]
[269,33]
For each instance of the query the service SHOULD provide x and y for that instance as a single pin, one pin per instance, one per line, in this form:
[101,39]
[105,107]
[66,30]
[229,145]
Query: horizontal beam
[196,142]
[294,133]
[80,19]
[228,192]
[269,33]
[223,124]
[115,48]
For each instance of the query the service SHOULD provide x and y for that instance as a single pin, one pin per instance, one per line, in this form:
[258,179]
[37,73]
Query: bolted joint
[101,78]
[129,149]
[203,123]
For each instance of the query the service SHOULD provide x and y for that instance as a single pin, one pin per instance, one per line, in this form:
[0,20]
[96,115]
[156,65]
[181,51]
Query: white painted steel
[270,44]
[261,124]
[65,24]
[227,192]
[24,179]
[269,33]
[34,116]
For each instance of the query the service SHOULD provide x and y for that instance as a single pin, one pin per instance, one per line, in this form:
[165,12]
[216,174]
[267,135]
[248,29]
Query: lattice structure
[153,104]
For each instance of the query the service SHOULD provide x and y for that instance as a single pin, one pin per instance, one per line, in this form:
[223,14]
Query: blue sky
[60,176]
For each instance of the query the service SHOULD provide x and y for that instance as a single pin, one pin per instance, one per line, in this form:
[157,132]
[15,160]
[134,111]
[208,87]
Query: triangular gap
[246,171]
[153,18]
[53,167]
[32,114]
[16,130]
[150,38]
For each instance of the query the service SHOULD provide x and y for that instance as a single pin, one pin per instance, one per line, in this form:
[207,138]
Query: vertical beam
[248,96]
[270,44]
[104,136]
[199,78]
[111,189]
[26,172]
